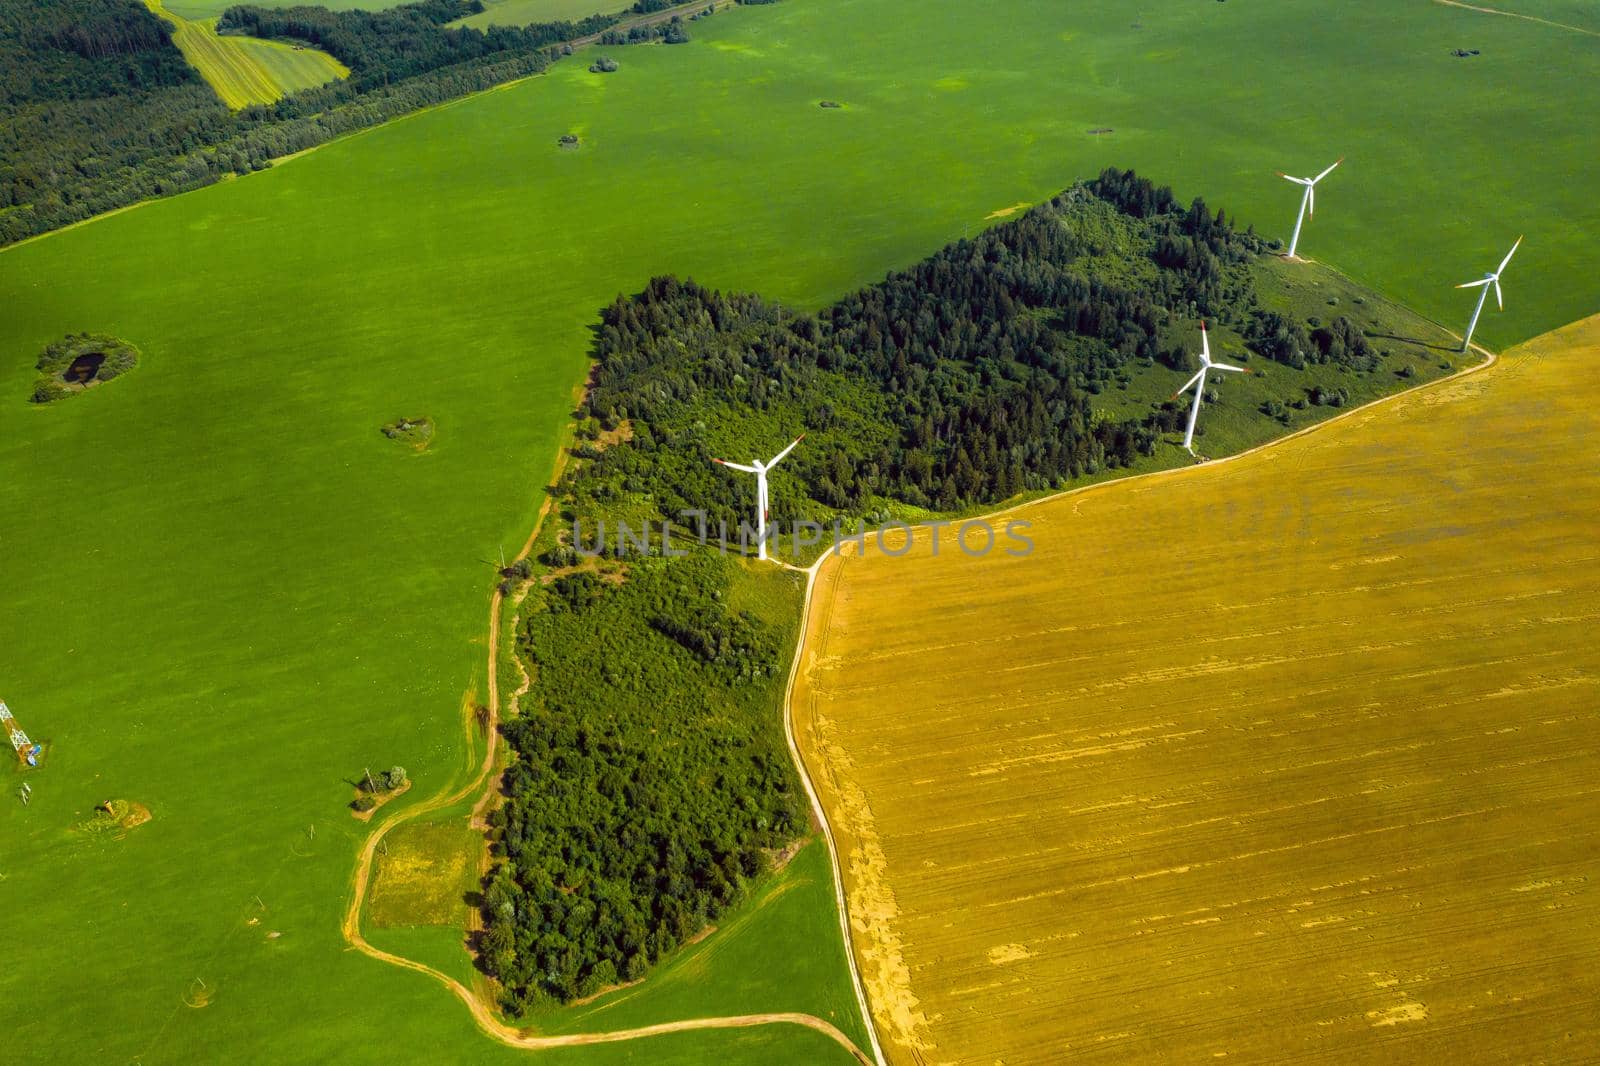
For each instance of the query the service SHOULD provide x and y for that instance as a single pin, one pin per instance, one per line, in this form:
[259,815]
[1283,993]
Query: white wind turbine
[1199,383]
[1308,202]
[1484,282]
[759,469]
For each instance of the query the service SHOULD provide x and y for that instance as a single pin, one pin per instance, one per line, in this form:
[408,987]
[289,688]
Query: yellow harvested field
[1289,758]
[245,70]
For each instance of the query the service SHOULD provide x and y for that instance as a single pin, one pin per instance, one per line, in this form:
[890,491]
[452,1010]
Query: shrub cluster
[114,356]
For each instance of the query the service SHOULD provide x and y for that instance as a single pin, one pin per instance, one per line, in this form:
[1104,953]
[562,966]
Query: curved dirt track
[1482,10]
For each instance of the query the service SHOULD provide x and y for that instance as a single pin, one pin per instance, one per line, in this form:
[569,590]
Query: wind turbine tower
[1199,383]
[1490,279]
[1308,202]
[760,470]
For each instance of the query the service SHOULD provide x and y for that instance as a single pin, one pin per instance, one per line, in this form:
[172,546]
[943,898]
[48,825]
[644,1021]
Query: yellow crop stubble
[245,70]
[1294,755]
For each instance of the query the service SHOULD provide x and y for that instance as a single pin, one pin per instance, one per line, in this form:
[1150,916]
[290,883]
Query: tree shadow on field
[1413,340]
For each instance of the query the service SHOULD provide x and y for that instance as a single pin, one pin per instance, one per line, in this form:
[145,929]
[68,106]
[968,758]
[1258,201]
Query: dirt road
[653,19]
[1518,15]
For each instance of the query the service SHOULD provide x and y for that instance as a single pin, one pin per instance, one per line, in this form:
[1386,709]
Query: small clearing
[423,875]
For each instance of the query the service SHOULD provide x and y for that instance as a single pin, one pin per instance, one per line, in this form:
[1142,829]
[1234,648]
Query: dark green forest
[964,380]
[99,110]
[651,780]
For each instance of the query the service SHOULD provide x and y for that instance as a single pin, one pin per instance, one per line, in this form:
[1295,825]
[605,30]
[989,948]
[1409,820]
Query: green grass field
[226,592]
[244,70]
[523,12]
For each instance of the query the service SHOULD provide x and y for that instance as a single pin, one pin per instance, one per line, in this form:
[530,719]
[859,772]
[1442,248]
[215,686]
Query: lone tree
[395,777]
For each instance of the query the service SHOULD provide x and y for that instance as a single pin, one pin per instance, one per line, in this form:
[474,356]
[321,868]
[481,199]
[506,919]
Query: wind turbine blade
[1325,173]
[1205,342]
[1507,259]
[1474,284]
[1186,384]
[735,466]
[1311,198]
[1499,297]
[786,451]
[1225,366]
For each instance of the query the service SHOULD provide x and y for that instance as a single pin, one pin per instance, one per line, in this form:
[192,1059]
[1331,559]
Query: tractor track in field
[1483,10]
[483,779]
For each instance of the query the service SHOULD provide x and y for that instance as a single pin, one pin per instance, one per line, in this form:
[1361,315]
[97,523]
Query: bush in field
[1274,409]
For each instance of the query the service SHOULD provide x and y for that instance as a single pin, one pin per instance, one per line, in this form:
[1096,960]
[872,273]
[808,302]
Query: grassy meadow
[1288,757]
[523,12]
[226,592]
[245,70]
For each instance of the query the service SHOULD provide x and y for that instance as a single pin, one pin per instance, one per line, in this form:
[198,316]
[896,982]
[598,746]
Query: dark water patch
[78,361]
[84,368]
